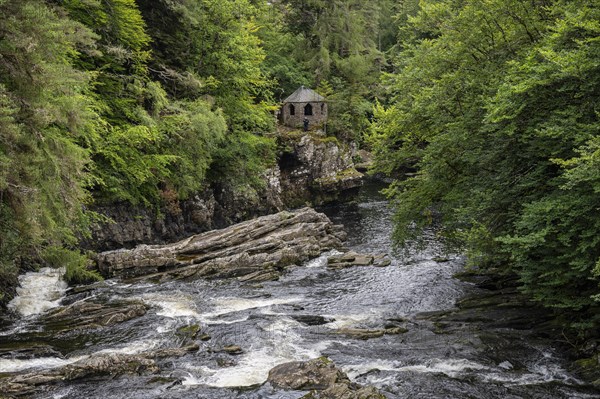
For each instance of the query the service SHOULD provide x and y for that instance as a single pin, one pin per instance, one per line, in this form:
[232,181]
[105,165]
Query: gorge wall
[311,170]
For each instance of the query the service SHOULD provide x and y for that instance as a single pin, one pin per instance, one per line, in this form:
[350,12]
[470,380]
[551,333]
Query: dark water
[465,361]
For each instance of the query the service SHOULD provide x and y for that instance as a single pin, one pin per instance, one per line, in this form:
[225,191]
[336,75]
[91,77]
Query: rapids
[472,361]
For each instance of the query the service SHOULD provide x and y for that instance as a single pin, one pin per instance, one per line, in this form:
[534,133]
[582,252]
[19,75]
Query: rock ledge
[258,249]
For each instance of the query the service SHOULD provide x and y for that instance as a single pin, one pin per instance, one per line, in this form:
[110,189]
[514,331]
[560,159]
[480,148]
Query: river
[467,360]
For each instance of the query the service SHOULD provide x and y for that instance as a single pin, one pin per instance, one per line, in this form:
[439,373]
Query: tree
[45,110]
[493,103]
[212,49]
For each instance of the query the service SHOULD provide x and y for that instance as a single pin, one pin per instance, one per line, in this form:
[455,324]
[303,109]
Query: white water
[172,306]
[279,344]
[39,292]
[227,305]
[15,365]
[321,261]
[455,368]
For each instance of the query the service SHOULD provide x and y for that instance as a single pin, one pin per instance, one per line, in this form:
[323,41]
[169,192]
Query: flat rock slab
[351,259]
[364,334]
[257,249]
[111,365]
[312,320]
[89,314]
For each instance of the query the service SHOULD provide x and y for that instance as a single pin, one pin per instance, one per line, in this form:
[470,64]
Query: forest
[484,113]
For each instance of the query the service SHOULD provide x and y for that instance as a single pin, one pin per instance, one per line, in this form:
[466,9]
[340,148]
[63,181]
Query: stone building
[301,104]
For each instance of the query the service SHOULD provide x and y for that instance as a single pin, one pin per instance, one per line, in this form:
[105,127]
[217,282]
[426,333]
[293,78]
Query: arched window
[292,109]
[322,109]
[308,109]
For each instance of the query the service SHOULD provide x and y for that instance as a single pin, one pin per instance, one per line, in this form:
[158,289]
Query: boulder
[316,374]
[111,364]
[322,378]
[346,391]
[173,352]
[258,249]
[188,333]
[233,350]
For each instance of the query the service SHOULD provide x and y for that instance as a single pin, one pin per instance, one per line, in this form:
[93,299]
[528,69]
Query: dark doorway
[308,109]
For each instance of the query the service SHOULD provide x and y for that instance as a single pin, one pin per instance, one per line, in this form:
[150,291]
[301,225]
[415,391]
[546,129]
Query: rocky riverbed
[408,329]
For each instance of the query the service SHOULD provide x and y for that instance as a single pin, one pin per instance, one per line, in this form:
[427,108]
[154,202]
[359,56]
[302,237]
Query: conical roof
[304,95]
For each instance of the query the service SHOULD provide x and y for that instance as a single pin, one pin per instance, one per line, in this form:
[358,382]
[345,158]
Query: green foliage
[208,49]
[119,62]
[283,50]
[217,43]
[193,134]
[342,45]
[128,166]
[495,105]
[74,263]
[43,113]
[82,120]
[243,159]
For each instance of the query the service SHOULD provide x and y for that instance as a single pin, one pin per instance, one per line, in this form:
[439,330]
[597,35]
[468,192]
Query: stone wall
[317,119]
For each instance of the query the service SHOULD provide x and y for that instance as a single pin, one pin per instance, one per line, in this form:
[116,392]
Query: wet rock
[89,314]
[264,245]
[312,320]
[397,319]
[364,334]
[112,364]
[204,337]
[350,259]
[346,391]
[233,350]
[225,362]
[316,374]
[173,352]
[188,332]
[260,276]
[395,330]
[99,365]
[322,378]
[23,385]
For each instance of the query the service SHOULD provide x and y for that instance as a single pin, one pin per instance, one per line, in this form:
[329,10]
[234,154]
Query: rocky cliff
[311,170]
